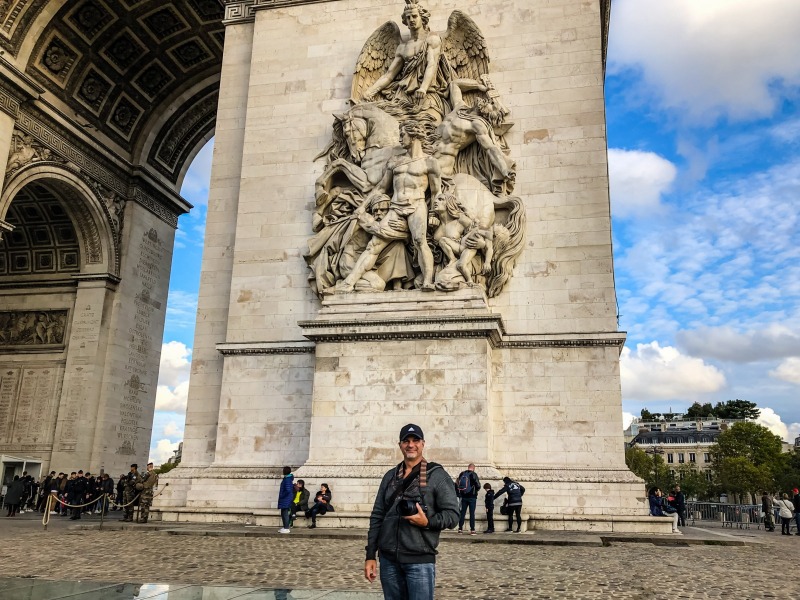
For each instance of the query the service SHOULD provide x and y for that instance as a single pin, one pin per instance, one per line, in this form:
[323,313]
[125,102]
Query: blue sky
[702,101]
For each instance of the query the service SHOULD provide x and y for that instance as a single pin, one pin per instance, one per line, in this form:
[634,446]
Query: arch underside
[121,65]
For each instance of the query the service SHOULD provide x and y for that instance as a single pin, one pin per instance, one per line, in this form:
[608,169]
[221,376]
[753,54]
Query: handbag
[504,507]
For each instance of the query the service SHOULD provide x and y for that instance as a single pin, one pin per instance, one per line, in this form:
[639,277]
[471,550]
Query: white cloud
[173,378]
[656,373]
[172,430]
[627,419]
[726,343]
[195,184]
[709,57]
[637,180]
[788,370]
[172,399]
[175,364]
[162,451]
[772,421]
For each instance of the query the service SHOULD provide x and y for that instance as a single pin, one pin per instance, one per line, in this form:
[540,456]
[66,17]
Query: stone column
[136,329]
[83,373]
[6,131]
[202,416]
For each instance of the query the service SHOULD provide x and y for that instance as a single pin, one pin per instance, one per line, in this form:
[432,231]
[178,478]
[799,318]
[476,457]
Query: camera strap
[421,470]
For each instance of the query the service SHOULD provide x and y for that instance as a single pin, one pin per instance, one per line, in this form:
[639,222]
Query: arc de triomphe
[408,222]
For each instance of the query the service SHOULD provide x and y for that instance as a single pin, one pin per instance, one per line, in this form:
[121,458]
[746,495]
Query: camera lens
[407,507]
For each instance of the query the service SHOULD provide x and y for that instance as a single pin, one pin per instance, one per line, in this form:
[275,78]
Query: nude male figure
[411,175]
[464,125]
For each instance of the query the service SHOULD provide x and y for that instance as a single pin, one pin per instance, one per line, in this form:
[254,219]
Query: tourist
[659,508]
[489,502]
[120,491]
[322,504]
[679,504]
[796,503]
[766,508]
[786,507]
[301,496]
[106,491]
[13,497]
[285,497]
[78,493]
[415,501]
[467,486]
[515,493]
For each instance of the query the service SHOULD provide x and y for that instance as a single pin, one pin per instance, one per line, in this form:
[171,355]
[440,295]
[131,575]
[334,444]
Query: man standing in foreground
[415,501]
[149,481]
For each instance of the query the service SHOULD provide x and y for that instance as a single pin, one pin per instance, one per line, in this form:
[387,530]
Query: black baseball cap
[411,429]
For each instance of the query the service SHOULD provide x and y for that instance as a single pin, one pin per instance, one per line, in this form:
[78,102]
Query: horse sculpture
[365,138]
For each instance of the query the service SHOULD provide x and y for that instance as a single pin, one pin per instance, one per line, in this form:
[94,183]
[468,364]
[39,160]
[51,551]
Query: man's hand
[419,95]
[420,519]
[371,570]
[397,224]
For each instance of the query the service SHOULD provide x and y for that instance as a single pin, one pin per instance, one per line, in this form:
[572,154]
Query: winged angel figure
[436,84]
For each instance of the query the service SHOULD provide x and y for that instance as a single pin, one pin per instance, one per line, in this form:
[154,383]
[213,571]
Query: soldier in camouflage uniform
[148,483]
[131,481]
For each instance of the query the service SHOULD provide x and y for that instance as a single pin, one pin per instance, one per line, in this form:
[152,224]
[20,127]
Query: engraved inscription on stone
[41,328]
[9,382]
[28,398]
[139,367]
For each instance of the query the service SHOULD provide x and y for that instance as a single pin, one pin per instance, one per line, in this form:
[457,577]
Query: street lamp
[655,451]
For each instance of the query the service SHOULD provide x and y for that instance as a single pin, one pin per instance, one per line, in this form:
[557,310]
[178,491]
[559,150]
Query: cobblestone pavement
[464,570]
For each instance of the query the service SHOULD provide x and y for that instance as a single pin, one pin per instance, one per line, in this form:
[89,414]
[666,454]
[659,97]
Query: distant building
[679,442]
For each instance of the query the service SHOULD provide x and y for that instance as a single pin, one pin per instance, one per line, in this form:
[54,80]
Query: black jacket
[515,491]
[489,500]
[397,539]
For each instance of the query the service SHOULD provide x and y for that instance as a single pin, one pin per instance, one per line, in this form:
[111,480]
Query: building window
[669,440]
[708,475]
[691,440]
[706,439]
[679,440]
[706,457]
[692,457]
[681,458]
[670,458]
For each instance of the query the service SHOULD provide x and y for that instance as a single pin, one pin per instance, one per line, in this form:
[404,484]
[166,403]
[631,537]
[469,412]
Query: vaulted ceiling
[145,73]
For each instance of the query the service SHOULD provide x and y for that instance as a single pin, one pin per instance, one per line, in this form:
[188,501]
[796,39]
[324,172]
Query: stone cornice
[605,20]
[244,11]
[261,348]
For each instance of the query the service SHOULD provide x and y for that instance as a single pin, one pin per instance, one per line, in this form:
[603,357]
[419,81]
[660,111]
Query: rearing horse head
[366,127]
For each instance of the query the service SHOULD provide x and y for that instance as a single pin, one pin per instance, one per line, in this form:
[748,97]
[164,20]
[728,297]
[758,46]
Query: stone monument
[440,255]
[103,105]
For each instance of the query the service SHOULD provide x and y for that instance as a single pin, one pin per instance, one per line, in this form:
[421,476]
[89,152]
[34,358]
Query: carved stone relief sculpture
[417,187]
[25,150]
[32,328]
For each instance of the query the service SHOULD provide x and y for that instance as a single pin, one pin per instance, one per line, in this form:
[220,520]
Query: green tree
[693,482]
[697,411]
[646,415]
[746,458]
[166,467]
[736,409]
[650,467]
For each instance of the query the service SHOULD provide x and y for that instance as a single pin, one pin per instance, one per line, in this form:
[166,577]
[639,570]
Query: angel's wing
[465,47]
[375,58]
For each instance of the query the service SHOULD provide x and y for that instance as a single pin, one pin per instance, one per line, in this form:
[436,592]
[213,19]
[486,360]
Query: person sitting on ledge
[659,508]
[322,504]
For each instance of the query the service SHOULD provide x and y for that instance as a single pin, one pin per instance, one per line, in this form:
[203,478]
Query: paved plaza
[313,564]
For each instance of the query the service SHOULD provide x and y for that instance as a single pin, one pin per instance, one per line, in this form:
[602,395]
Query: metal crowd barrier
[729,515]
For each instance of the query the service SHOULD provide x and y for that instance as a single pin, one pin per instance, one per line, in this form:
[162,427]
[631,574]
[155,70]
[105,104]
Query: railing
[730,515]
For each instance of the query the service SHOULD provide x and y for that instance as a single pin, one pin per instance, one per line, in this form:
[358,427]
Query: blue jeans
[407,581]
[286,515]
[797,520]
[467,503]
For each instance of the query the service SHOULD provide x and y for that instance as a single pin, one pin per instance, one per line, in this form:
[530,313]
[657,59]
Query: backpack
[465,484]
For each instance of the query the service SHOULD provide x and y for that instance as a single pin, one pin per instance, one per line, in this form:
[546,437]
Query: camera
[408,506]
